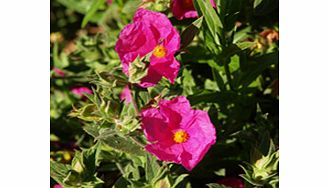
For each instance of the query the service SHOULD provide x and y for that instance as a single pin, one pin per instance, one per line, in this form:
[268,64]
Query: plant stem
[136,141]
[228,74]
[133,100]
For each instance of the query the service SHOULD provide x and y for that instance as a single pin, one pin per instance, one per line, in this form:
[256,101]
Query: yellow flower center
[180,136]
[159,51]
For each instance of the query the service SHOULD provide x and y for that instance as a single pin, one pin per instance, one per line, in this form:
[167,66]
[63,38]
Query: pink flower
[109,2]
[80,90]
[57,186]
[126,95]
[59,72]
[232,182]
[185,8]
[178,133]
[150,32]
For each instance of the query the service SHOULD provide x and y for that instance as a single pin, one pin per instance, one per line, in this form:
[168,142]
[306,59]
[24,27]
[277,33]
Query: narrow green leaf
[213,21]
[219,80]
[91,11]
[257,2]
[179,179]
[216,185]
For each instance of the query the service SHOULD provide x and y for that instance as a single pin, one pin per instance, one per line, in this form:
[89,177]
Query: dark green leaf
[190,32]
[219,80]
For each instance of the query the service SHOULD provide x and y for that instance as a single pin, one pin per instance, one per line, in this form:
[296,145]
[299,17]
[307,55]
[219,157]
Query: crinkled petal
[134,40]
[167,67]
[172,42]
[202,136]
[156,20]
[178,111]
[166,153]
[155,126]
[151,79]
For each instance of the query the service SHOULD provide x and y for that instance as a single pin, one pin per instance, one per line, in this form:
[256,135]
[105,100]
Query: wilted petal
[126,95]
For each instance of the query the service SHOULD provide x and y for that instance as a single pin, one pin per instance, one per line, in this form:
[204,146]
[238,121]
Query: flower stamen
[180,136]
[159,51]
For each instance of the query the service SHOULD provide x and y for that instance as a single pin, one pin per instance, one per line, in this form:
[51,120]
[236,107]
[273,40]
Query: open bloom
[185,9]
[150,33]
[232,182]
[177,132]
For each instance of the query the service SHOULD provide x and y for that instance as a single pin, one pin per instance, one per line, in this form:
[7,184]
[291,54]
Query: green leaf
[163,183]
[213,21]
[216,185]
[257,2]
[257,67]
[190,32]
[59,171]
[220,172]
[137,70]
[234,64]
[210,85]
[179,179]
[245,45]
[188,82]
[251,181]
[151,168]
[121,183]
[86,113]
[218,78]
[131,6]
[242,34]
[91,129]
[91,11]
[123,144]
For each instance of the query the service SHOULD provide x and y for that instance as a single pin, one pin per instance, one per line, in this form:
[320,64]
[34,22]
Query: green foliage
[229,68]
[91,11]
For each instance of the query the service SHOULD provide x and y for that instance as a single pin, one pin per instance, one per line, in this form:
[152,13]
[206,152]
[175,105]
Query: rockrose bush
[164,93]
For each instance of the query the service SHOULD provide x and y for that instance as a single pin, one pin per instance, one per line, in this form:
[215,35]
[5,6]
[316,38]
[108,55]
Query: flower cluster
[176,132]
